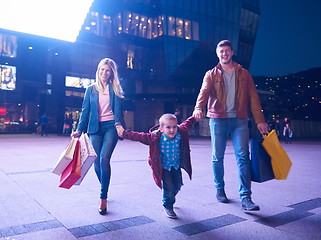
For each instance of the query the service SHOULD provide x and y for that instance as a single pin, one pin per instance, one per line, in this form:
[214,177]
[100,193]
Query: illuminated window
[149,29]
[106,30]
[171,26]
[119,23]
[187,29]
[130,58]
[134,25]
[179,27]
[160,25]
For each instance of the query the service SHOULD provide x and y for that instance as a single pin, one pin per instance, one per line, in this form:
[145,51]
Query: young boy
[169,152]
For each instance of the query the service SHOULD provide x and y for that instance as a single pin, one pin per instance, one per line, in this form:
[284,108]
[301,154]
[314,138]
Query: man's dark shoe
[248,205]
[221,196]
[170,213]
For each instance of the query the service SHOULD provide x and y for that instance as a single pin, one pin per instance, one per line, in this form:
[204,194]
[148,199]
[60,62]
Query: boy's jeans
[104,143]
[172,182]
[237,128]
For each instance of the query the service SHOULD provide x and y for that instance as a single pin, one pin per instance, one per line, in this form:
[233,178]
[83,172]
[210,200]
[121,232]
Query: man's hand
[263,128]
[120,130]
[198,114]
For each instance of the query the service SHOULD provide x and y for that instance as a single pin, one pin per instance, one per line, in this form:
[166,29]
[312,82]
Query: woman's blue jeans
[104,143]
[172,182]
[237,129]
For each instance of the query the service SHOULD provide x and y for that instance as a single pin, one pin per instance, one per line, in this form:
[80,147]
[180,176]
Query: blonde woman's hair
[113,79]
[165,117]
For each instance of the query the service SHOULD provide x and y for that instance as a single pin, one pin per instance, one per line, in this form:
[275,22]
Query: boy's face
[169,128]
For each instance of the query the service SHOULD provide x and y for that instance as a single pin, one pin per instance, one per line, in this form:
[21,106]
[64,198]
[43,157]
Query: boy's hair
[226,43]
[166,117]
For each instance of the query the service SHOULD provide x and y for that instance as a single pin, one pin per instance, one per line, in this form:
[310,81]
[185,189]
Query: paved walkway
[33,207]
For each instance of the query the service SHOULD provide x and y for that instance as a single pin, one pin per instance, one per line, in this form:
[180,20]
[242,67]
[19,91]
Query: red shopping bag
[73,172]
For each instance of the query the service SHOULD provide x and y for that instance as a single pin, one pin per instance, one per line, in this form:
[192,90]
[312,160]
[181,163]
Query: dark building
[162,48]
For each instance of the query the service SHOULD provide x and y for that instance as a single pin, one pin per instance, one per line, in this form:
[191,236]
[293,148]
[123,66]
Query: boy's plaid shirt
[170,152]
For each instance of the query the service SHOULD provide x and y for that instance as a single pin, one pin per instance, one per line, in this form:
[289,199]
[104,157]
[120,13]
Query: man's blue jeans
[172,182]
[237,129]
[104,143]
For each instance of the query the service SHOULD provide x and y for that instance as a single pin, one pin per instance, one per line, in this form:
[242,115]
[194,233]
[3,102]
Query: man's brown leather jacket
[213,93]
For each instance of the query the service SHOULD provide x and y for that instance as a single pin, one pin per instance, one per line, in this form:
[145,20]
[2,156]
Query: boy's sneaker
[170,213]
[248,205]
[221,196]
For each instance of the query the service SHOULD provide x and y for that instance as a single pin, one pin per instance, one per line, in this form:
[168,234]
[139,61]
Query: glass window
[161,22]
[155,28]
[127,21]
[91,23]
[171,26]
[130,58]
[143,27]
[179,27]
[106,28]
[195,31]
[187,29]
[134,27]
[149,29]
[118,23]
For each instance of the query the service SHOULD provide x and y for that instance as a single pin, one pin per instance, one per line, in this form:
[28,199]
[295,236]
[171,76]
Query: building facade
[162,47]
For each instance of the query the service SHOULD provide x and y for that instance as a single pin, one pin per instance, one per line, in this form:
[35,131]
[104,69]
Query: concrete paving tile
[308,228]
[299,191]
[99,228]
[10,189]
[283,218]
[89,230]
[19,229]
[208,224]
[36,183]
[316,211]
[15,212]
[88,214]
[8,231]
[50,234]
[149,231]
[67,200]
[78,232]
[307,205]
[244,231]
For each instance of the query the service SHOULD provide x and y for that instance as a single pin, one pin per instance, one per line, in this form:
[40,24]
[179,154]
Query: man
[229,91]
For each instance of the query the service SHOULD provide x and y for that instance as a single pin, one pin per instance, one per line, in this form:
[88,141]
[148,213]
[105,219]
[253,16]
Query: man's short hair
[225,43]
[166,117]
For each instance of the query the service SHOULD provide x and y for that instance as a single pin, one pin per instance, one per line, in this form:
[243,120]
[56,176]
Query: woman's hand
[75,134]
[120,130]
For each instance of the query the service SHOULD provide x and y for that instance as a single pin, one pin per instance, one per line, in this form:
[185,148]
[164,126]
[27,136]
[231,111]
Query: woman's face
[104,73]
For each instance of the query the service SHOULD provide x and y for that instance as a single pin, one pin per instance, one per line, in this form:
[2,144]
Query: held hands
[198,114]
[120,130]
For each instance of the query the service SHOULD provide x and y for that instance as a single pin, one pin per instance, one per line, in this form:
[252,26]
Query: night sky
[288,38]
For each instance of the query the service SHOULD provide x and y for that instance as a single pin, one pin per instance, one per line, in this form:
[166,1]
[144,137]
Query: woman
[102,116]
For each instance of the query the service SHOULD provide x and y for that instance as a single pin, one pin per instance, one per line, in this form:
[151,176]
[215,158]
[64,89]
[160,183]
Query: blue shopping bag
[261,167]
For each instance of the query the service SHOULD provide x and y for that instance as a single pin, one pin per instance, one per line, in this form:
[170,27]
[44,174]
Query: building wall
[162,48]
